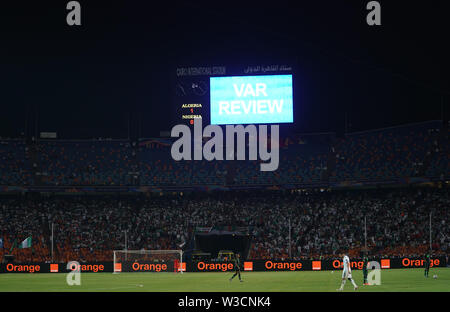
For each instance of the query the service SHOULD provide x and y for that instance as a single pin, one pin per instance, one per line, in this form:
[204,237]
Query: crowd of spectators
[302,159]
[388,153]
[99,162]
[321,224]
[440,151]
[15,166]
[317,224]
[419,150]
[89,228]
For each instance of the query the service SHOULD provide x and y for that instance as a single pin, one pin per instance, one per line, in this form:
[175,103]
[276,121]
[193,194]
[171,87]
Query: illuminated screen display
[251,99]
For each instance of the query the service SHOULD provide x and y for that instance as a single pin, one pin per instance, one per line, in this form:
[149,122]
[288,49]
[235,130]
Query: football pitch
[393,280]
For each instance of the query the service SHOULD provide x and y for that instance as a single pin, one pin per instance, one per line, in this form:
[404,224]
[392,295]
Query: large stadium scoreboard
[221,95]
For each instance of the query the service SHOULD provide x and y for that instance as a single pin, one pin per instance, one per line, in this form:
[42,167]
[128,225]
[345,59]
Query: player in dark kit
[427,264]
[237,266]
[365,269]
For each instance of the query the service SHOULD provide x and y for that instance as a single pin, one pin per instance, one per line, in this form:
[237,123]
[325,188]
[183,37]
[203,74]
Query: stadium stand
[85,162]
[89,228]
[15,163]
[419,150]
[385,154]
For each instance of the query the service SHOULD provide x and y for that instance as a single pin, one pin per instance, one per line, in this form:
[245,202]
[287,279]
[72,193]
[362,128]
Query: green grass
[397,280]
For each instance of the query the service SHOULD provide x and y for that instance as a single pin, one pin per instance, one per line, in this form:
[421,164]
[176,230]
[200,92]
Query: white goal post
[152,259]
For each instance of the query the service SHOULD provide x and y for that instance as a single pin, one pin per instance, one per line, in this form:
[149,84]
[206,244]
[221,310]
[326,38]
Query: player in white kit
[347,274]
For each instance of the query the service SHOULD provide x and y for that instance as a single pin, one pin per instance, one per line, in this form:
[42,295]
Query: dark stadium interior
[369,141]
[117,64]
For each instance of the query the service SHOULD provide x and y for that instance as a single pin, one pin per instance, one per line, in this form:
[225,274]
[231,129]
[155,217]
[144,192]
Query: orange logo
[23,268]
[283,265]
[317,265]
[406,262]
[385,263]
[149,267]
[183,267]
[248,266]
[54,267]
[202,266]
[353,264]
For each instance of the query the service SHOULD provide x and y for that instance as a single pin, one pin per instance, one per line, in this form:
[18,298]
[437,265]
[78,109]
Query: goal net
[148,261]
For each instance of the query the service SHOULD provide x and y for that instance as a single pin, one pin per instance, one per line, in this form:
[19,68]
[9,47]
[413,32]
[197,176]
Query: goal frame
[148,252]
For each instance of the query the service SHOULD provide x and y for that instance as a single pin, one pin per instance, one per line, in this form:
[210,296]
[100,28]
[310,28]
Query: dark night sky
[85,81]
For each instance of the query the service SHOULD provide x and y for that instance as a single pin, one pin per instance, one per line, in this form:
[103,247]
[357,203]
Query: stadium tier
[387,155]
[15,164]
[84,162]
[391,153]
